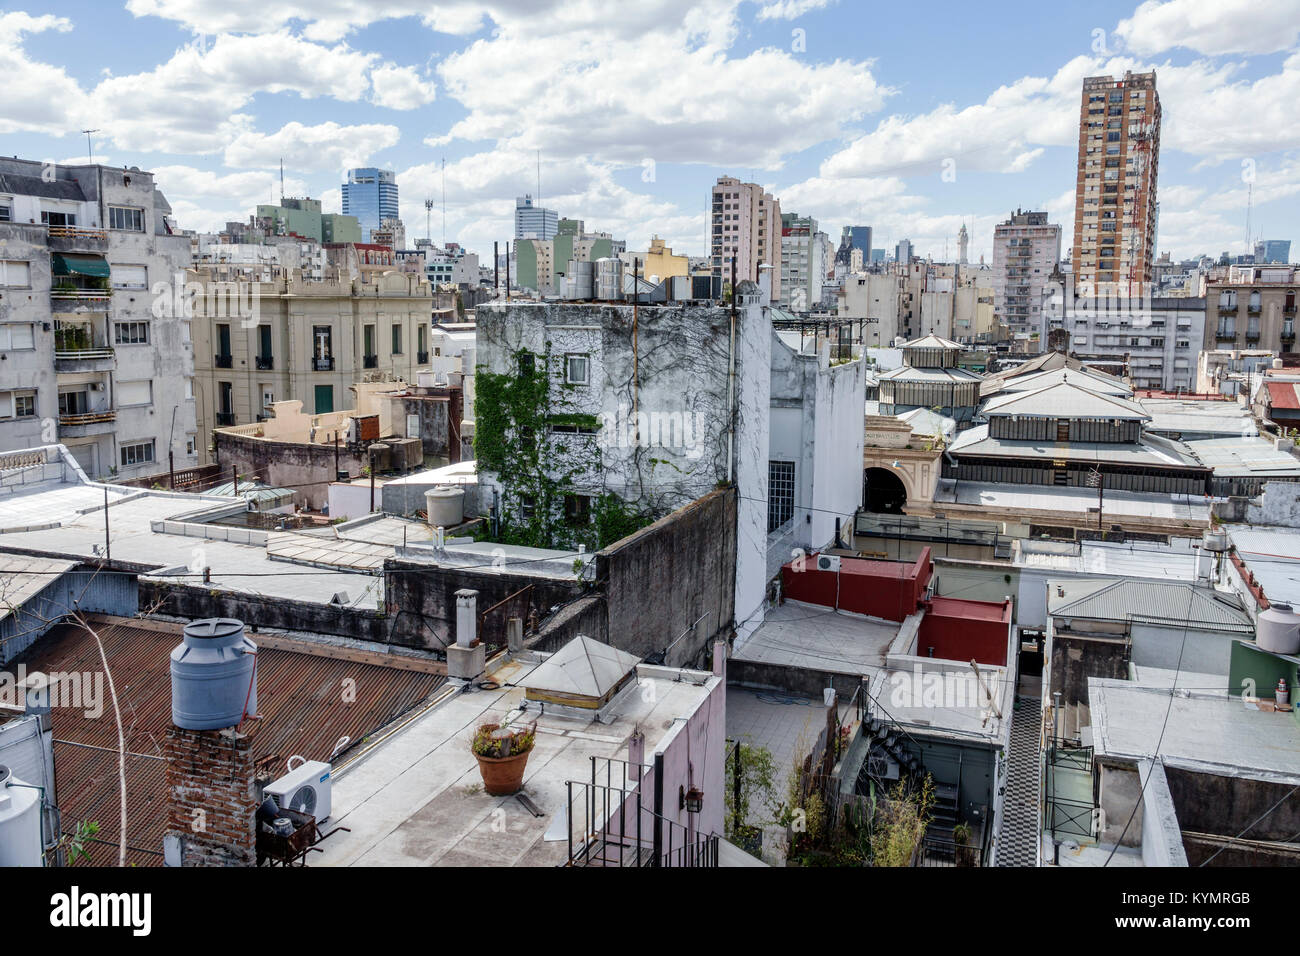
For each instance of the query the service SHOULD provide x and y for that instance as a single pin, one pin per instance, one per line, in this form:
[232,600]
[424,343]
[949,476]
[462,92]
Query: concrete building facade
[1026,248]
[90,360]
[1115,207]
[291,338]
[1252,307]
[744,228]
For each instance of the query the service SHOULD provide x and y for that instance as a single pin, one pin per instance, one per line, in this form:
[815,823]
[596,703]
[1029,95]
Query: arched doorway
[883,491]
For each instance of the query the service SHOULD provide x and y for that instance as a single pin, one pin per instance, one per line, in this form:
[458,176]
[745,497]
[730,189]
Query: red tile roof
[300,697]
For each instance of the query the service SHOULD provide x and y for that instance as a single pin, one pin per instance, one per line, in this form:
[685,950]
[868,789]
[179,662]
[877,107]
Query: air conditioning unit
[828,562]
[305,788]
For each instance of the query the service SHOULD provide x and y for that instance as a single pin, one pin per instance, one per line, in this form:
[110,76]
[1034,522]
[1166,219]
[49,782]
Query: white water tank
[1278,630]
[446,506]
[20,822]
[1214,540]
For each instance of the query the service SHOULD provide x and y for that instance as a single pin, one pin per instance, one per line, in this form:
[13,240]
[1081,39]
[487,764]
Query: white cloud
[206,201]
[38,97]
[1212,27]
[658,96]
[400,87]
[790,9]
[325,146]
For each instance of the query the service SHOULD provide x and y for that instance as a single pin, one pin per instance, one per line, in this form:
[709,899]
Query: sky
[911,120]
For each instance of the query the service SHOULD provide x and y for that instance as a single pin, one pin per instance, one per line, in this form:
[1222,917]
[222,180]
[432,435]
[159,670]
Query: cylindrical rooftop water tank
[446,506]
[1278,630]
[214,675]
[20,822]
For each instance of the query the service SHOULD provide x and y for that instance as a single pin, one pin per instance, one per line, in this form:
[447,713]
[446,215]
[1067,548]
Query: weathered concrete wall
[585,617]
[1074,660]
[188,601]
[674,579]
[803,681]
[1218,804]
[423,600]
[307,469]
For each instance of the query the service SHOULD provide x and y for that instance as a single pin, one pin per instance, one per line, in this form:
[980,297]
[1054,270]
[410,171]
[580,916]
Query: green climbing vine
[517,415]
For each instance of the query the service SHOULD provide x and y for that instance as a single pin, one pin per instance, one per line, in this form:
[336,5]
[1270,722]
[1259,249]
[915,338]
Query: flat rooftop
[71,524]
[417,799]
[1142,559]
[1273,556]
[810,636]
[1188,508]
[1194,730]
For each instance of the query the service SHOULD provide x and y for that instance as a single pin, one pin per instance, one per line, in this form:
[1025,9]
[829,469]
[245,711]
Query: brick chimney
[211,798]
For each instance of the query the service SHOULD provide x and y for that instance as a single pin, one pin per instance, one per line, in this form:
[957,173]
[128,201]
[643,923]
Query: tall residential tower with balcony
[745,227]
[1026,248]
[87,358]
[1115,208]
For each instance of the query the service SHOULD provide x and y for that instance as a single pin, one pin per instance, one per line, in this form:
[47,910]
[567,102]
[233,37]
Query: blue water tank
[214,672]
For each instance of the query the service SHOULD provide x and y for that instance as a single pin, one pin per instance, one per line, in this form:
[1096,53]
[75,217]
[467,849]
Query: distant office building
[535,222]
[1272,250]
[877,256]
[745,226]
[370,194]
[851,238]
[1115,209]
[1026,248]
[804,251]
[903,251]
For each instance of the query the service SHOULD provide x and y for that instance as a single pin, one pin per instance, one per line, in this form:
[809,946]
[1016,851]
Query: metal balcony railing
[84,354]
[223,361]
[88,418]
[265,362]
[75,232]
[323,364]
[225,419]
[371,361]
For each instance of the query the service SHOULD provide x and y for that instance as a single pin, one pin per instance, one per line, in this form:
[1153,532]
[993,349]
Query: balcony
[74,239]
[370,361]
[421,358]
[85,424]
[86,359]
[223,361]
[265,363]
[66,298]
[325,364]
[225,419]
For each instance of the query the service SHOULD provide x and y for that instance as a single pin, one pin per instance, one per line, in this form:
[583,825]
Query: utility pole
[496,269]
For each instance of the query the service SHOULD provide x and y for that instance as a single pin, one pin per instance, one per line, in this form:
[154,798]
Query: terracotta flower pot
[503,776]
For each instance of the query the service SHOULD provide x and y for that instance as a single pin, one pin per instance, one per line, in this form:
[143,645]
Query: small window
[135,393]
[577,369]
[130,277]
[527,363]
[130,333]
[126,218]
[17,337]
[577,509]
[137,453]
[15,275]
[6,209]
[20,404]
[397,339]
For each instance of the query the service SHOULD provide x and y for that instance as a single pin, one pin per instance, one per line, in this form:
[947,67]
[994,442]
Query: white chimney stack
[466,617]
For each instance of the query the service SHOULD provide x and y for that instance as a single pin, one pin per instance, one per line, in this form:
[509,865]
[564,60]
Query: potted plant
[965,852]
[502,754]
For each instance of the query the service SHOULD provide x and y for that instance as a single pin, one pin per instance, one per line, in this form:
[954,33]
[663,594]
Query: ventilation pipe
[466,617]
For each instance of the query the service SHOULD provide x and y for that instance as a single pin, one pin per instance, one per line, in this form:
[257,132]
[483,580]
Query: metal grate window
[780,494]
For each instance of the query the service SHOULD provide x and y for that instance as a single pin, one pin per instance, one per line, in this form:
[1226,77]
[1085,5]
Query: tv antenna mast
[444,202]
[89,150]
[428,209]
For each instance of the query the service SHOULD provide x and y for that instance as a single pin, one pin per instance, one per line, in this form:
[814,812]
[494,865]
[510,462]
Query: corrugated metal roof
[300,696]
[1284,395]
[1172,601]
[1151,450]
[1102,385]
[22,577]
[1067,399]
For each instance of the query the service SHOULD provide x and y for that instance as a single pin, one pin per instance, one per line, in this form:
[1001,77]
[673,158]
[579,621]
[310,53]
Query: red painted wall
[885,589]
[960,630]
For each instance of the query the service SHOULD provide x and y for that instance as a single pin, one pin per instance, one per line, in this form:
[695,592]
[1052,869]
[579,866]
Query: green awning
[69,264]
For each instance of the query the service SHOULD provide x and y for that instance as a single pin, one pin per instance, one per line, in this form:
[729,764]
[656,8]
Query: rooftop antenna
[428,209]
[539,179]
[89,150]
[1249,196]
[281,180]
[444,202]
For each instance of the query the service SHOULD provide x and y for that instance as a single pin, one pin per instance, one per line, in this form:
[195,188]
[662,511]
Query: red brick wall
[211,796]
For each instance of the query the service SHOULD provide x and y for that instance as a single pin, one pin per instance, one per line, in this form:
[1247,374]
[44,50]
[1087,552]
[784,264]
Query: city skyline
[911,133]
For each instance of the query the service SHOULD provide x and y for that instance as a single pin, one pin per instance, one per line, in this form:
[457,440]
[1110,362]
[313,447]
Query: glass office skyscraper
[371,195]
